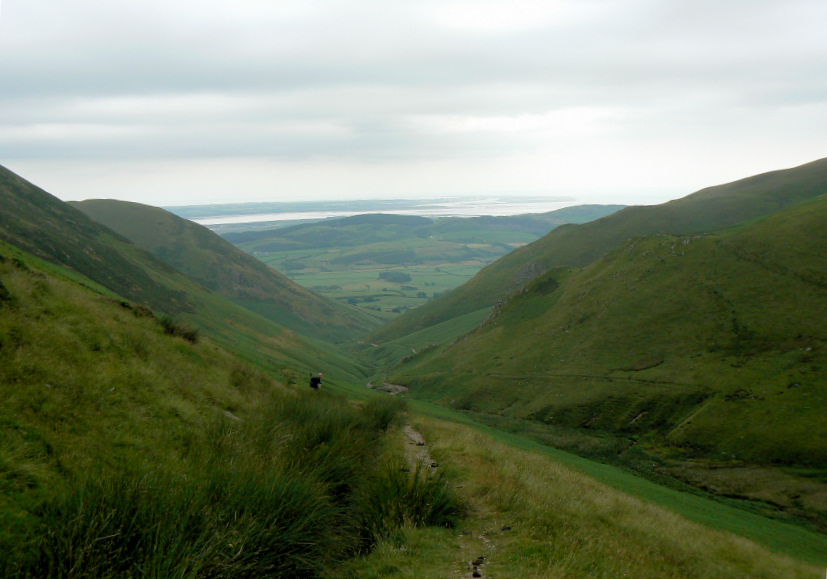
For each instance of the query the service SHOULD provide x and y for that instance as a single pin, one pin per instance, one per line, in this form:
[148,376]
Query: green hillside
[705,351]
[578,245]
[44,226]
[205,257]
[130,450]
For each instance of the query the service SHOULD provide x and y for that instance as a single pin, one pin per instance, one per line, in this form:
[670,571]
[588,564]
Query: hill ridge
[206,257]
[707,210]
[683,355]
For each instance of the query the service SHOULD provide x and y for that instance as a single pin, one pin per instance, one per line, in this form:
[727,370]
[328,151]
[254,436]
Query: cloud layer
[188,102]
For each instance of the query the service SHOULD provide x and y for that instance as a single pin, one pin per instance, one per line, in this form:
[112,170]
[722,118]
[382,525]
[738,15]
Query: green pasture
[362,287]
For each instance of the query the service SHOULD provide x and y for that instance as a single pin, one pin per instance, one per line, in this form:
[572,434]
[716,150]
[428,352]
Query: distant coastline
[258,213]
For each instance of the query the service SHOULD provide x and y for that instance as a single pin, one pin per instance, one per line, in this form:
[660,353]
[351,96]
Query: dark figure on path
[316,381]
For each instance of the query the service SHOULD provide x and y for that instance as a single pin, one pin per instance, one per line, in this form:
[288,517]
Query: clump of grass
[394,499]
[5,296]
[178,329]
[227,523]
[384,411]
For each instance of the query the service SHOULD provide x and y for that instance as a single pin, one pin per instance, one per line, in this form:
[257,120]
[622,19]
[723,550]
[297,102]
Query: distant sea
[215,216]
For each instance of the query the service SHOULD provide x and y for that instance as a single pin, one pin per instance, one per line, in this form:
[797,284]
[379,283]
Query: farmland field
[388,264]
[361,284]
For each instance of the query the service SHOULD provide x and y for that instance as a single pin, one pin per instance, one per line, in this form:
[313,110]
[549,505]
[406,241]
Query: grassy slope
[578,245]
[389,353]
[535,512]
[96,387]
[39,223]
[127,451]
[711,345]
[90,384]
[76,363]
[204,256]
[42,225]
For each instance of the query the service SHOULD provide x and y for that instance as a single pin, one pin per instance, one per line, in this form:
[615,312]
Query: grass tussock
[173,327]
[394,499]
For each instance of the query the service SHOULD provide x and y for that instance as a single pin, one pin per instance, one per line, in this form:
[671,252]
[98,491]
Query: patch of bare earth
[392,389]
[416,451]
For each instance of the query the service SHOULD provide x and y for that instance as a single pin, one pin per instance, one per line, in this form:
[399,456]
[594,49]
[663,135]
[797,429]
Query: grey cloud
[353,80]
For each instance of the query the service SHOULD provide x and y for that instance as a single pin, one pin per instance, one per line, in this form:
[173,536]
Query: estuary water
[445,207]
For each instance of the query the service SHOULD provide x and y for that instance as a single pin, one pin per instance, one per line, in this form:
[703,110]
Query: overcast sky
[632,101]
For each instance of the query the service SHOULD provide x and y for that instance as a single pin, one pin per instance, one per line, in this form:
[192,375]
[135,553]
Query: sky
[595,101]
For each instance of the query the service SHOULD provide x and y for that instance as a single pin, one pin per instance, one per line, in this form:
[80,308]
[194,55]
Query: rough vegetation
[127,448]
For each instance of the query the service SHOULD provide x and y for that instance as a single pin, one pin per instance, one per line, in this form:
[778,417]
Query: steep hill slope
[44,226]
[712,346]
[578,245]
[128,451]
[205,257]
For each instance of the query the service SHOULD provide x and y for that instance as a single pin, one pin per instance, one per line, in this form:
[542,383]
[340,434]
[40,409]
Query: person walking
[316,381]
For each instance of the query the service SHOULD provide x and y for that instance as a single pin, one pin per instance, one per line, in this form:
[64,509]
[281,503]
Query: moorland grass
[289,494]
[743,518]
[701,348]
[531,516]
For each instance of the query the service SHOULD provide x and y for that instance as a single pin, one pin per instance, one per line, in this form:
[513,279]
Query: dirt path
[416,451]
[470,563]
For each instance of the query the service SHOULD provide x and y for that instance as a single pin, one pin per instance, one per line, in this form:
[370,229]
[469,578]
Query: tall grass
[394,499]
[127,452]
[173,327]
[288,494]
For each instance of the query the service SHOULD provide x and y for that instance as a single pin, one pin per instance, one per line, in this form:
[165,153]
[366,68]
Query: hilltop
[207,258]
[705,211]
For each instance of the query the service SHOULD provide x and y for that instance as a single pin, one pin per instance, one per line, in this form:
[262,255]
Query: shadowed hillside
[204,256]
[578,245]
[39,223]
[693,348]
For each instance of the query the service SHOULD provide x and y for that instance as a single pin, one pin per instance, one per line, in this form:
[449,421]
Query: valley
[599,391]
[389,264]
